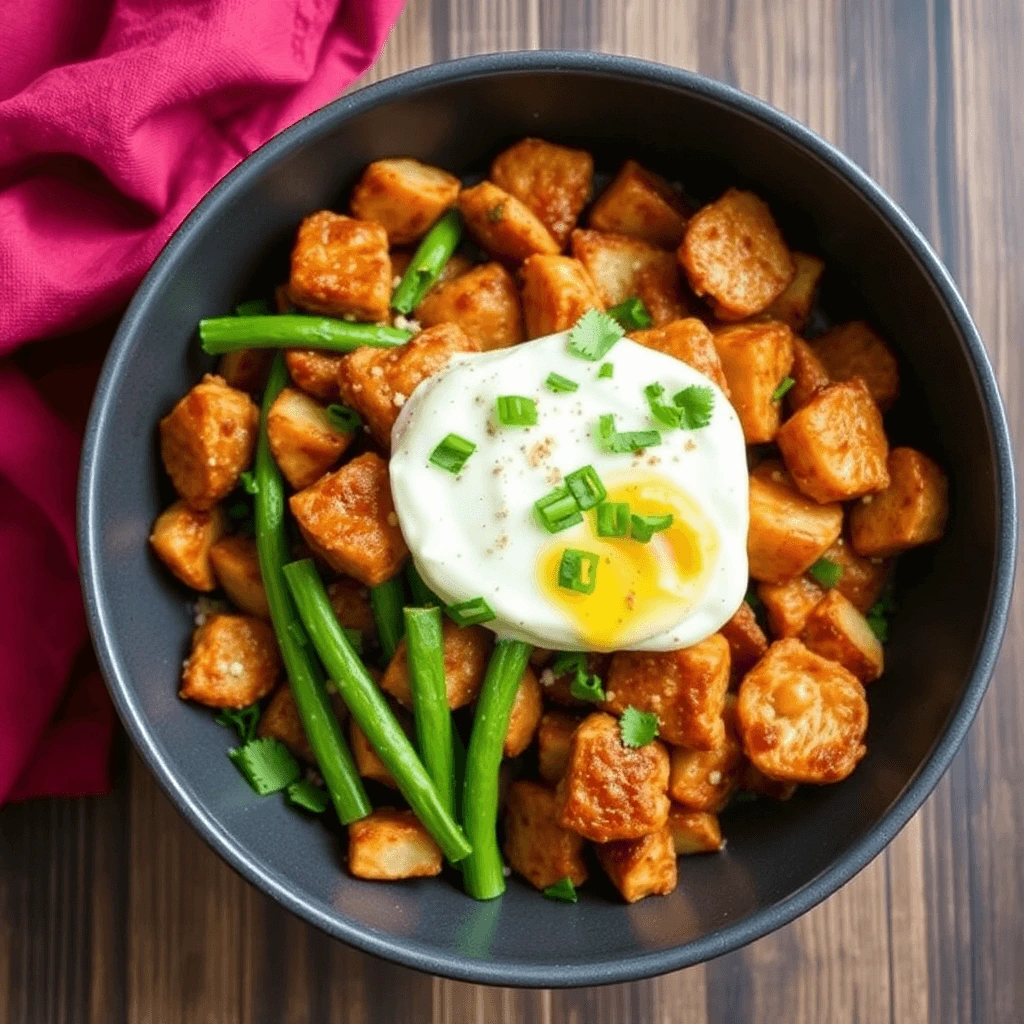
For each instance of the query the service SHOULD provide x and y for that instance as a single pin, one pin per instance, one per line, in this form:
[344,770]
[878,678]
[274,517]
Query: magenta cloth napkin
[116,117]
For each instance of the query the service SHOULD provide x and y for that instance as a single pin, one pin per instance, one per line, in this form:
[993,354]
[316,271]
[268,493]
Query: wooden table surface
[113,910]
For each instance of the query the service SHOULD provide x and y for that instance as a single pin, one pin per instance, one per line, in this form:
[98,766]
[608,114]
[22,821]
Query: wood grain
[112,910]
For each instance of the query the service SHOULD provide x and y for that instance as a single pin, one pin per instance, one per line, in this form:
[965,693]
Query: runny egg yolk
[640,587]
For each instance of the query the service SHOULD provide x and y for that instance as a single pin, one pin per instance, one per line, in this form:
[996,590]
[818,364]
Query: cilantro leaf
[696,404]
[669,416]
[610,440]
[594,334]
[307,796]
[243,719]
[563,891]
[267,765]
[637,728]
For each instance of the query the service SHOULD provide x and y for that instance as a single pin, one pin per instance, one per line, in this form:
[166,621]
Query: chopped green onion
[563,891]
[643,528]
[783,389]
[569,661]
[244,721]
[267,765]
[452,453]
[516,411]
[696,403]
[631,314]
[558,510]
[586,487]
[247,478]
[344,419]
[610,440]
[826,572]
[587,686]
[606,370]
[471,612]
[427,262]
[254,307]
[594,334]
[578,570]
[307,796]
[637,728]
[561,385]
[613,519]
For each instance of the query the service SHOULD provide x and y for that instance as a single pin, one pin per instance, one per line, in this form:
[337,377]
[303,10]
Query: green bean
[424,648]
[422,595]
[314,706]
[387,599]
[222,334]
[482,872]
[371,711]
[425,268]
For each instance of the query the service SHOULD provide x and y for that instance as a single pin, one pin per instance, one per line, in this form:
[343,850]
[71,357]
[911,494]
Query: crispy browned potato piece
[466,650]
[526,711]
[754,781]
[280,721]
[237,567]
[746,639]
[207,439]
[854,350]
[705,780]
[836,630]
[388,845]
[835,446]
[537,847]
[315,372]
[557,291]
[484,302]
[376,381]
[911,510]
[641,867]
[611,791]
[809,376]
[793,306]
[685,689]
[643,204]
[502,225]
[756,358]
[622,267]
[404,196]
[689,341]
[233,663]
[735,255]
[694,831]
[302,439]
[862,579]
[553,736]
[341,267]
[788,532]
[801,717]
[788,604]
[348,518]
[351,603]
[246,369]
[553,181]
[182,539]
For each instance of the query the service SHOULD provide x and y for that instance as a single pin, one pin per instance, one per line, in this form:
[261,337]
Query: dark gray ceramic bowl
[781,859]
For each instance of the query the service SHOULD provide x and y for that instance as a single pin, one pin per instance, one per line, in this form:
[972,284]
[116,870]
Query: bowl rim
[408,952]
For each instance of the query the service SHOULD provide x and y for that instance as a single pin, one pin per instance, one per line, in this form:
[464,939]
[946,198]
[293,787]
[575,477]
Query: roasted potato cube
[553,181]
[237,567]
[788,604]
[836,630]
[611,791]
[537,847]
[466,651]
[233,663]
[558,689]
[641,867]
[801,717]
[376,381]
[207,439]
[341,267]
[788,532]
[526,711]
[484,302]
[183,537]
[404,196]
[502,225]
[793,306]
[280,721]
[622,267]
[685,689]
[642,204]
[246,369]
[808,373]
[557,291]
[553,736]
[694,831]
[754,781]
[835,447]
[756,358]
[351,603]
[348,518]
[911,510]
[689,341]
[854,350]
[746,639]
[735,255]
[388,845]
[304,443]
[705,780]
[315,372]
[862,579]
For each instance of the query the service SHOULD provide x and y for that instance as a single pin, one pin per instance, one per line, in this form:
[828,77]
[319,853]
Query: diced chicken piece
[788,604]
[836,630]
[694,831]
[641,203]
[537,847]
[502,225]
[526,711]
[854,350]
[808,373]
[351,603]
[182,539]
[553,736]
[303,441]
[237,566]
[641,867]
[746,639]
[484,302]
[389,845]
[793,306]
[689,341]
[557,291]
[234,662]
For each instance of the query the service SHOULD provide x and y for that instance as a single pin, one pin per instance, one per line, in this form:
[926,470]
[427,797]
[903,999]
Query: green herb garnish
[578,570]
[267,765]
[826,572]
[783,389]
[516,411]
[594,334]
[561,385]
[563,891]
[637,728]
[452,453]
[471,612]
